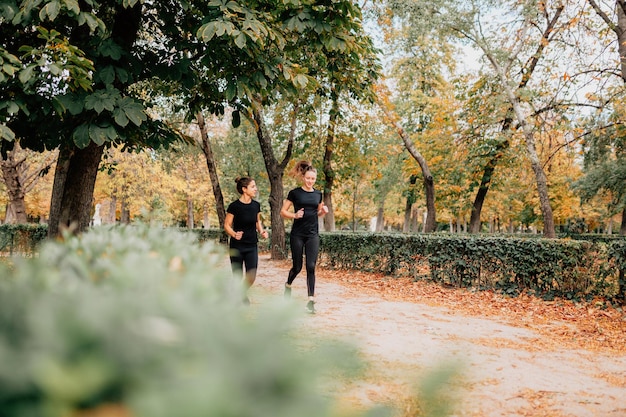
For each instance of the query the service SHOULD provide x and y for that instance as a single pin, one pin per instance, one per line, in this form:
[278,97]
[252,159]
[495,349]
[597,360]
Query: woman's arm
[286,213]
[260,228]
[322,210]
[228,227]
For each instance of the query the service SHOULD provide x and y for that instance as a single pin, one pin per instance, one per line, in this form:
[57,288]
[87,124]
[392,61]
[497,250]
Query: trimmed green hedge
[548,267]
[22,238]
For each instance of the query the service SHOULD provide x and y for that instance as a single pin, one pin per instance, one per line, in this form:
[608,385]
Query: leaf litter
[588,335]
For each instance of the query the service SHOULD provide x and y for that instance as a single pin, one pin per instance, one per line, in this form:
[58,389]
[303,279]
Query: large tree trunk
[329,173]
[16,208]
[408,208]
[112,215]
[483,189]
[124,212]
[190,222]
[72,192]
[58,185]
[380,218]
[429,184]
[215,181]
[408,211]
[275,171]
[621,280]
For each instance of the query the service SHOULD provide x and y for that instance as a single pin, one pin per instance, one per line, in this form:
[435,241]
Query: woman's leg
[236,262]
[297,249]
[251,262]
[311,249]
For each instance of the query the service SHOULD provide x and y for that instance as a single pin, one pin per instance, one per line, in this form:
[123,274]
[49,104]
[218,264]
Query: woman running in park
[243,220]
[304,238]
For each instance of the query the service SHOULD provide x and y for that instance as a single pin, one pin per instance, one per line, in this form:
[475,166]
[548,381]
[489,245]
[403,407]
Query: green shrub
[548,267]
[150,320]
[21,238]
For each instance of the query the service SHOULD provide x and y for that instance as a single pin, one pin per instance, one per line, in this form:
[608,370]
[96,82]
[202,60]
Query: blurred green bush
[150,321]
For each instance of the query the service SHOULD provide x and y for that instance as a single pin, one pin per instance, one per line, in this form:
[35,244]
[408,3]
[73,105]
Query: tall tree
[78,72]
[275,169]
[392,118]
[207,149]
[512,37]
[20,175]
[350,73]
[598,158]
[605,165]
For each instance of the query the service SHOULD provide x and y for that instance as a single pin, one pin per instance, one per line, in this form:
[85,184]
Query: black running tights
[309,246]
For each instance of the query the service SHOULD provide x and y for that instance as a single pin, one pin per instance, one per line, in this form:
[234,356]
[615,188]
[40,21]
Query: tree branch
[605,17]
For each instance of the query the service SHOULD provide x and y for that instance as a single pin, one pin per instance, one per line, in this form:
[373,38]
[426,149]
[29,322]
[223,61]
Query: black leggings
[304,245]
[248,257]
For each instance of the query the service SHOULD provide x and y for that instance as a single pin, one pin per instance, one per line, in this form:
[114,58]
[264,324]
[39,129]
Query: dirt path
[505,371]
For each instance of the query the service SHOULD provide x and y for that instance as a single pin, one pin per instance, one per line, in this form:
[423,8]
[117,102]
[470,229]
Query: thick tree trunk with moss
[72,192]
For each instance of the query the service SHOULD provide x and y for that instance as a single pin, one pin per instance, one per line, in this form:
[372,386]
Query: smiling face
[309,179]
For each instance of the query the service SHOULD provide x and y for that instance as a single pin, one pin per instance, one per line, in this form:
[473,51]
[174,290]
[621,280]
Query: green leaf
[26,74]
[107,74]
[120,117]
[12,108]
[50,10]
[91,21]
[55,69]
[97,134]
[6,133]
[231,91]
[240,40]
[72,5]
[81,136]
[300,80]
[122,75]
[8,69]
[206,31]
[286,73]
[74,380]
[133,110]
[260,79]
[83,83]
[101,100]
[111,49]
[231,5]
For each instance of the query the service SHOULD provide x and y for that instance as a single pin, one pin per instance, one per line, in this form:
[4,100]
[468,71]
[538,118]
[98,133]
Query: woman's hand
[322,210]
[238,235]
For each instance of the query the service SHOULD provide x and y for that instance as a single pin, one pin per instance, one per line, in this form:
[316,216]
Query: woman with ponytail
[304,206]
